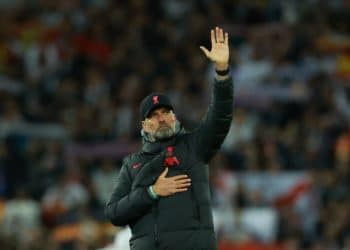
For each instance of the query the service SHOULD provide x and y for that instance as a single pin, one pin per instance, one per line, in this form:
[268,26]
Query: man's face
[160,124]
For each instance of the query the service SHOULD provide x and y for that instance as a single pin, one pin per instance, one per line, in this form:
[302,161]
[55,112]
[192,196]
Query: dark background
[72,74]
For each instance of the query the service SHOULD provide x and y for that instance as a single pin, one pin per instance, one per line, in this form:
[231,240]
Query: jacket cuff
[151,193]
[223,80]
[222,75]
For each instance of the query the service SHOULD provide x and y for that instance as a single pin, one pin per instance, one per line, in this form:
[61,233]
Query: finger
[226,38]
[217,34]
[212,36]
[182,181]
[185,185]
[180,190]
[179,177]
[206,52]
[164,173]
[221,36]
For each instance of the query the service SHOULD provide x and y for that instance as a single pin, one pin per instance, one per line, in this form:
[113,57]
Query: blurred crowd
[72,74]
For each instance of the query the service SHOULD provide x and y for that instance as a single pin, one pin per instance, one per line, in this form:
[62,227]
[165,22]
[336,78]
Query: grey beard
[161,135]
[164,133]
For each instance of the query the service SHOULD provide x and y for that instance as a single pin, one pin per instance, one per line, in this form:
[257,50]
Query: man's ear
[174,115]
[144,126]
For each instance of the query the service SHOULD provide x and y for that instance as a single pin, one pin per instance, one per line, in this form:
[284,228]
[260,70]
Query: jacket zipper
[195,208]
[155,229]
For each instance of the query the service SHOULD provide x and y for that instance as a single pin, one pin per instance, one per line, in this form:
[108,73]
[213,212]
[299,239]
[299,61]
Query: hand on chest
[146,168]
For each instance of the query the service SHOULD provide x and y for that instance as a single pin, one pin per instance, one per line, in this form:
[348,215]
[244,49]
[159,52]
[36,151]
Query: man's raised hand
[219,53]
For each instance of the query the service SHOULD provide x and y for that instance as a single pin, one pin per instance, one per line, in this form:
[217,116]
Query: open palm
[219,53]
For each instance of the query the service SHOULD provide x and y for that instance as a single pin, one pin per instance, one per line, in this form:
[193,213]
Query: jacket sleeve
[127,204]
[212,130]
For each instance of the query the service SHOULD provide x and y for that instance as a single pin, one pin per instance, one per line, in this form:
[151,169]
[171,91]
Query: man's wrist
[221,66]
[222,75]
[152,193]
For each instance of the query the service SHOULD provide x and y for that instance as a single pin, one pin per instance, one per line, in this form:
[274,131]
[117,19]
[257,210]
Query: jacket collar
[153,147]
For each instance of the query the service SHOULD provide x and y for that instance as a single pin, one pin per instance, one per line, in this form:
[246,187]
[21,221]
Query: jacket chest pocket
[145,172]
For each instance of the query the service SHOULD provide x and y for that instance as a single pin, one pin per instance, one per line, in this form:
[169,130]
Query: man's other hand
[165,186]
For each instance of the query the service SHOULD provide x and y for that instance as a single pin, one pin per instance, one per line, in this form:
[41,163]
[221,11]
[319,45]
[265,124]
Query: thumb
[205,51]
[164,173]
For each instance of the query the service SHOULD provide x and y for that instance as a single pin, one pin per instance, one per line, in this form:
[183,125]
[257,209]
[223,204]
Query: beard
[164,132]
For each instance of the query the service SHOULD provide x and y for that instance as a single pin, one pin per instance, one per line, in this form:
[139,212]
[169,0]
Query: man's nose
[161,118]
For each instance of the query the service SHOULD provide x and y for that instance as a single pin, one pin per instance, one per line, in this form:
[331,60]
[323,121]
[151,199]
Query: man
[162,192]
